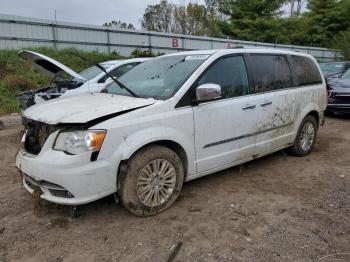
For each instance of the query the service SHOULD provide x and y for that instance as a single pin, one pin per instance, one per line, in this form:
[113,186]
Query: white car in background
[67,82]
[96,79]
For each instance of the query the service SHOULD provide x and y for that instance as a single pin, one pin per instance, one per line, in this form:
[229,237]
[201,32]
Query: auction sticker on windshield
[196,57]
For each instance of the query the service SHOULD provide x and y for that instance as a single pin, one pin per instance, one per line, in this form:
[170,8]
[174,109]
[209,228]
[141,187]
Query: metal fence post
[150,42]
[323,57]
[54,37]
[108,42]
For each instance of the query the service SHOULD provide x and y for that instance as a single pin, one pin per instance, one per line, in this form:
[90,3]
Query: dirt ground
[278,208]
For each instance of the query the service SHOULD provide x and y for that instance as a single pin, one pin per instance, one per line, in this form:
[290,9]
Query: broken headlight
[76,142]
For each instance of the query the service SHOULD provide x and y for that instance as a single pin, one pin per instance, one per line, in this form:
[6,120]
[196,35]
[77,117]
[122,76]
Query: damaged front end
[61,157]
[35,135]
[55,175]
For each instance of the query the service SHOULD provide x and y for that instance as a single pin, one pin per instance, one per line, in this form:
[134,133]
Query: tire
[308,129]
[140,183]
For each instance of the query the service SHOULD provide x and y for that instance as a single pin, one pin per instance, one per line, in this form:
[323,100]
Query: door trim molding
[246,135]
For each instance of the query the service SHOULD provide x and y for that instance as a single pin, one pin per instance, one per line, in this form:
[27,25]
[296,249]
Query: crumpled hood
[83,108]
[47,65]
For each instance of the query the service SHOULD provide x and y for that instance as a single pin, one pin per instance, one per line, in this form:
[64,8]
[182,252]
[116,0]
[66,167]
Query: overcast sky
[94,12]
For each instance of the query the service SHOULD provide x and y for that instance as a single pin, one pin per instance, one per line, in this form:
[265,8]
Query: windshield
[346,75]
[92,72]
[159,78]
[331,67]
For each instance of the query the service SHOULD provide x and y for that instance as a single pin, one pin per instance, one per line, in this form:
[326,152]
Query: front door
[225,128]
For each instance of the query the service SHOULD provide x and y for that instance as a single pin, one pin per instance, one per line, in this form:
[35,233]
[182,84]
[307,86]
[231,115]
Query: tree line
[323,23]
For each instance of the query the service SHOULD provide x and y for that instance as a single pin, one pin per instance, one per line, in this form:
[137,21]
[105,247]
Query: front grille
[36,135]
[341,98]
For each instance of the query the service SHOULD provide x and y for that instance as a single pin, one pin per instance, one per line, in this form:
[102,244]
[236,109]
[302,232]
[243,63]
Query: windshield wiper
[115,80]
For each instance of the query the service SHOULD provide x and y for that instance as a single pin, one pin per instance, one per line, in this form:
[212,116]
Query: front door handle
[249,107]
[267,103]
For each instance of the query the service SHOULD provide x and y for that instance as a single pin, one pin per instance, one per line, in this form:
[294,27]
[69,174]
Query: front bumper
[66,179]
[338,108]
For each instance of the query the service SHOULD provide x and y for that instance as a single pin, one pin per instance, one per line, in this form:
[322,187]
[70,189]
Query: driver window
[230,73]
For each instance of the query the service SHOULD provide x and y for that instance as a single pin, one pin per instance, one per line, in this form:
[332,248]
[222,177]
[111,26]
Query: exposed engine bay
[31,97]
[63,78]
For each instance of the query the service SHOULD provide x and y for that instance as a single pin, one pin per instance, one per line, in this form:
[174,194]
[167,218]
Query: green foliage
[293,31]
[190,19]
[342,42]
[158,17]
[17,75]
[213,18]
[144,53]
[326,19]
[253,20]
[119,24]
[261,20]
[251,9]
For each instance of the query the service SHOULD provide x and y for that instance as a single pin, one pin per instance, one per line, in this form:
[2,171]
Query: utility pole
[292,5]
[299,5]
[54,31]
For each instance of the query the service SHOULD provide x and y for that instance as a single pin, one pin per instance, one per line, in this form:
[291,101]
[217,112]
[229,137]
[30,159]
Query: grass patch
[17,75]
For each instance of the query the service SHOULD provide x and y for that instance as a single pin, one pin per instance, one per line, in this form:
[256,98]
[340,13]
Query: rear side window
[271,72]
[305,71]
[230,73]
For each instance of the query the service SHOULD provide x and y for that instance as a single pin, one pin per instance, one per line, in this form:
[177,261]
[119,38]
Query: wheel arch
[170,144]
[312,109]
[315,115]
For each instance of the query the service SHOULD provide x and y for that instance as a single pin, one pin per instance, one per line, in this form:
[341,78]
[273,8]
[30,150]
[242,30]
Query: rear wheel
[306,137]
[152,182]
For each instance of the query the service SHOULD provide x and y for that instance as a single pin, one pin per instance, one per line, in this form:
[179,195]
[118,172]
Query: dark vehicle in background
[334,69]
[339,94]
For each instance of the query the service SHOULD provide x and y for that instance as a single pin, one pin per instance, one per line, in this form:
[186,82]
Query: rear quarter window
[305,71]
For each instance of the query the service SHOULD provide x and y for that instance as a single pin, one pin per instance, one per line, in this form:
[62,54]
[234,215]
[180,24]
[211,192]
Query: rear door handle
[249,107]
[267,103]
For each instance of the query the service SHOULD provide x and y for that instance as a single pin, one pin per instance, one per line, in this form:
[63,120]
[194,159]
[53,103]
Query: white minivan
[169,120]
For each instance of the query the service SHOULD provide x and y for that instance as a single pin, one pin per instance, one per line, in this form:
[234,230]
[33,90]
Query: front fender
[144,137]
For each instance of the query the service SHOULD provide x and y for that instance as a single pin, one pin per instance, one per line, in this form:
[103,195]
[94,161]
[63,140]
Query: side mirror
[208,92]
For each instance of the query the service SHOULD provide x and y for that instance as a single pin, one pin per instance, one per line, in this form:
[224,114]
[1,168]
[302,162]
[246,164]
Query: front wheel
[306,137]
[152,182]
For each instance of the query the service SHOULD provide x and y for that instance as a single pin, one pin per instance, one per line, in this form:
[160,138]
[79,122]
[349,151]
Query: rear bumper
[64,180]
